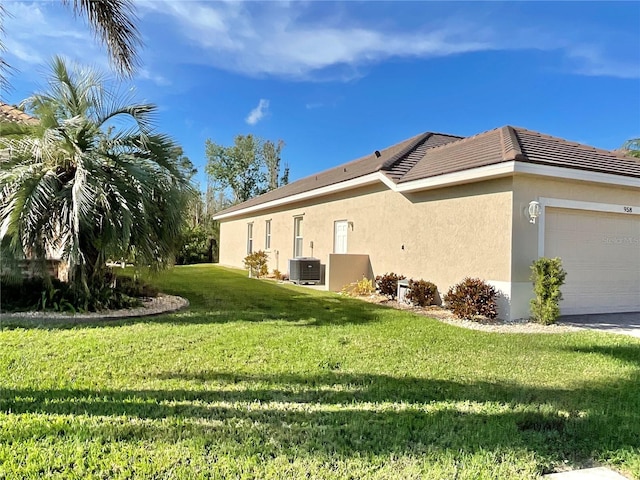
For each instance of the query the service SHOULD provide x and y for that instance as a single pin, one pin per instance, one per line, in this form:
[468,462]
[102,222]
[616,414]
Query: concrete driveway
[624,323]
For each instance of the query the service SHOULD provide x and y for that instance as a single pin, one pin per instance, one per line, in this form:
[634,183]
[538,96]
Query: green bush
[421,293]
[547,276]
[472,297]
[134,287]
[54,295]
[256,263]
[196,247]
[387,284]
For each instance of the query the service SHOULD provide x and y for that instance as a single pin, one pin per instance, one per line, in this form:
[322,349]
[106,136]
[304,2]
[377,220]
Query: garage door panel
[601,253]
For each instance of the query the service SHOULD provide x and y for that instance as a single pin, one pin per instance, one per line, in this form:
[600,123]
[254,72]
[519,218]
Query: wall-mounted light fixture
[350,225]
[533,211]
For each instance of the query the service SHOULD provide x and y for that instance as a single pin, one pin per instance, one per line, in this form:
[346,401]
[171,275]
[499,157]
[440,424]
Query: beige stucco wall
[440,235]
[447,234]
[527,188]
[346,268]
[525,235]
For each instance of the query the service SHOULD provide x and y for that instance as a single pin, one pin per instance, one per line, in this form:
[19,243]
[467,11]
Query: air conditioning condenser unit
[304,270]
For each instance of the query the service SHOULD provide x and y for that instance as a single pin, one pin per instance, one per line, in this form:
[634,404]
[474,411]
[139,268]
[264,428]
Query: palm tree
[91,180]
[113,22]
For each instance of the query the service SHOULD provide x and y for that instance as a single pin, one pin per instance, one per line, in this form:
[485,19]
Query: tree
[113,23]
[271,152]
[632,147]
[91,180]
[249,168]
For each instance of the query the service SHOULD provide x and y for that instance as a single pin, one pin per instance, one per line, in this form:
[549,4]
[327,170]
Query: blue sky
[336,81]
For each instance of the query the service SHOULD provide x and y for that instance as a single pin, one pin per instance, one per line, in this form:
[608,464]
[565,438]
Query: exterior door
[340,236]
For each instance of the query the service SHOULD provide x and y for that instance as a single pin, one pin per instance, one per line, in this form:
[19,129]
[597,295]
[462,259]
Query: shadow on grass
[346,414]
[219,295]
[625,353]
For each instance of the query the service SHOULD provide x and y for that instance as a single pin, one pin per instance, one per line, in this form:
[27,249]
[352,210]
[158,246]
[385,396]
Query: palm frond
[114,23]
[81,183]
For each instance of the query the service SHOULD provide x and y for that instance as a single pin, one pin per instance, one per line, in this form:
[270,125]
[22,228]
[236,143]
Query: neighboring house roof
[14,115]
[431,155]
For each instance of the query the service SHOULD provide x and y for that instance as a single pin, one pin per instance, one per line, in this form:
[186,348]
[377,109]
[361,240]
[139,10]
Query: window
[297,237]
[267,234]
[249,238]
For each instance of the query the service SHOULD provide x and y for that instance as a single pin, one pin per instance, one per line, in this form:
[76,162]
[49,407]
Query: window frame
[267,234]
[298,238]
[249,238]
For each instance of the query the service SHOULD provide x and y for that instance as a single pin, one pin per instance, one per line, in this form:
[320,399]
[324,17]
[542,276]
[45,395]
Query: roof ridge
[511,149]
[387,164]
[461,140]
[390,162]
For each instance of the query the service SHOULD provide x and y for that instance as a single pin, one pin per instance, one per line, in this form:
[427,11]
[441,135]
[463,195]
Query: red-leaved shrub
[472,297]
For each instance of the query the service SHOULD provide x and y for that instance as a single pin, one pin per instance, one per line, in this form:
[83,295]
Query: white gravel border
[483,324]
[150,306]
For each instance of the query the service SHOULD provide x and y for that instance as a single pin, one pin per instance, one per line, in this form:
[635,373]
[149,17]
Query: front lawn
[260,380]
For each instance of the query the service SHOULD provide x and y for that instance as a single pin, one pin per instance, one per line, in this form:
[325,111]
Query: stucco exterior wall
[441,235]
[525,235]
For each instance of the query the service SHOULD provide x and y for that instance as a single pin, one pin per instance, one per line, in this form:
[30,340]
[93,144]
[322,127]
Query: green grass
[260,380]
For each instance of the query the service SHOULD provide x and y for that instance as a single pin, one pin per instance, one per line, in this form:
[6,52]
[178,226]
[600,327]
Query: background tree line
[248,168]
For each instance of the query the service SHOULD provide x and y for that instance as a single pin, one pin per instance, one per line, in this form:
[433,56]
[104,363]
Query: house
[442,207]
[11,114]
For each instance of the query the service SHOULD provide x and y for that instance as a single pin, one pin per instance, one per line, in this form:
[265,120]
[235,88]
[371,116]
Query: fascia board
[508,168]
[580,175]
[317,192]
[466,176]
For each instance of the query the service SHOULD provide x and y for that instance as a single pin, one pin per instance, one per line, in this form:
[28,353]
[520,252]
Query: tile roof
[392,159]
[518,144]
[548,150]
[432,154]
[14,115]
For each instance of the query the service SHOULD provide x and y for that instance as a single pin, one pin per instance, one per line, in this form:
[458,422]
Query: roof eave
[357,182]
[505,169]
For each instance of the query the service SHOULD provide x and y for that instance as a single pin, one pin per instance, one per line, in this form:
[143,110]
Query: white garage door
[601,253]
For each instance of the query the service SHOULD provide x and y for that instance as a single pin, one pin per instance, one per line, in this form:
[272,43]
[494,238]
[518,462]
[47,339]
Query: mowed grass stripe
[262,380]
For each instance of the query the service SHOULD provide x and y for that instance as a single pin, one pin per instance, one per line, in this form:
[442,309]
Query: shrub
[256,263]
[548,276]
[359,289]
[54,295]
[196,247]
[277,275]
[387,284]
[421,293]
[134,287]
[472,297]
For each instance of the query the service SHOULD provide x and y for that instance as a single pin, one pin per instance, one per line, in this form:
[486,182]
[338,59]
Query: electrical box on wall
[403,288]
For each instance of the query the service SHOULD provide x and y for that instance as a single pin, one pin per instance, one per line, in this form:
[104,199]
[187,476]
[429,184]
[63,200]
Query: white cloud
[592,62]
[159,80]
[35,32]
[288,39]
[270,38]
[299,40]
[258,113]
